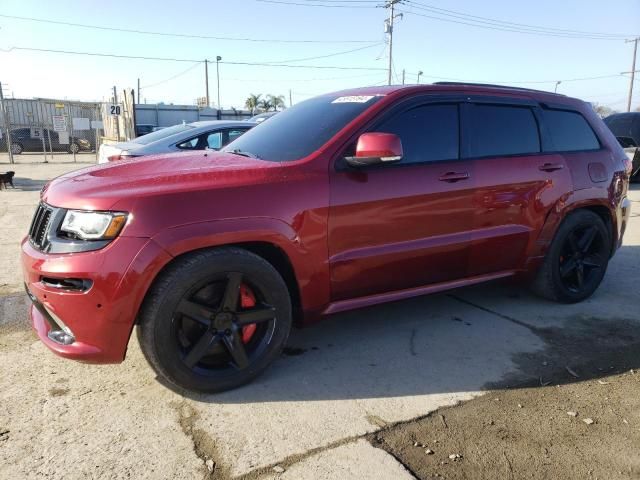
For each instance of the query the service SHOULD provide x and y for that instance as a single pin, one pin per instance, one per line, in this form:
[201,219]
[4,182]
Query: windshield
[302,129]
[160,134]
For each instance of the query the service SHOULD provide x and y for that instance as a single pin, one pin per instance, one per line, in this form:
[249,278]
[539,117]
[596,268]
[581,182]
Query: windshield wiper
[237,151]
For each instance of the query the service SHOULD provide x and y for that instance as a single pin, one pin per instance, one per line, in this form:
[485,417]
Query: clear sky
[437,46]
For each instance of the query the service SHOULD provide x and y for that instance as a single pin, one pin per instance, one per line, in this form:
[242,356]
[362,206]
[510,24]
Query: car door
[516,181]
[408,224]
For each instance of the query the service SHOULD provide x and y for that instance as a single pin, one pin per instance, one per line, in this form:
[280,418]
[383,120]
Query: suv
[626,128]
[397,192]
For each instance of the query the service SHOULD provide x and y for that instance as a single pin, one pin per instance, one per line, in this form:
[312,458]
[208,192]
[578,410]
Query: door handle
[550,167]
[453,177]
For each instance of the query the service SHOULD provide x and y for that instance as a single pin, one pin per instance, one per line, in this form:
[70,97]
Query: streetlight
[218,58]
[420,72]
[557,83]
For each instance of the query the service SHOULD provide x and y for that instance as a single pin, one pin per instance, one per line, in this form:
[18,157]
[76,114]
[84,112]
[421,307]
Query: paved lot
[309,415]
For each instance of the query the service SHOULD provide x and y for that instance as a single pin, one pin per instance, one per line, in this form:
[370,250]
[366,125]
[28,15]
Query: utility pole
[420,72]
[218,58]
[633,70]
[5,119]
[388,24]
[290,99]
[206,80]
[403,73]
[138,97]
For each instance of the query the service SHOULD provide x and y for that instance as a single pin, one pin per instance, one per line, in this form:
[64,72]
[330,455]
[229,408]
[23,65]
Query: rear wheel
[577,259]
[215,320]
[73,148]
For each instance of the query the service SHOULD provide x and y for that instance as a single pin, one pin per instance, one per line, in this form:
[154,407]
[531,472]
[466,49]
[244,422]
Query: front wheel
[577,259]
[215,320]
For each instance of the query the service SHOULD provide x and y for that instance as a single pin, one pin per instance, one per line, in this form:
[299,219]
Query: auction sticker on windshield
[354,99]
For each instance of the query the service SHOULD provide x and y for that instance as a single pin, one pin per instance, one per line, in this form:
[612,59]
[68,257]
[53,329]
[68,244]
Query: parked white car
[213,134]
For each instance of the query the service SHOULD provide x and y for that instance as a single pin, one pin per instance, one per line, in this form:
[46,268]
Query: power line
[326,56]
[284,65]
[458,14]
[505,28]
[168,59]
[170,34]
[299,4]
[173,77]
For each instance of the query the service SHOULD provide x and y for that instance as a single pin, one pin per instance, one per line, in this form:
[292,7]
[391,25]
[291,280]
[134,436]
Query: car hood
[118,184]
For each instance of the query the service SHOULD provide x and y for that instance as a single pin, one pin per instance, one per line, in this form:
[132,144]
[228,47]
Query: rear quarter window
[570,131]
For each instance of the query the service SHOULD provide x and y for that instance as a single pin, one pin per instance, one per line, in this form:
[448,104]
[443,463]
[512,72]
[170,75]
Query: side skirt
[344,305]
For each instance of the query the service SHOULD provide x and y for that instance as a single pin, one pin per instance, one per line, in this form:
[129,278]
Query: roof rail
[471,84]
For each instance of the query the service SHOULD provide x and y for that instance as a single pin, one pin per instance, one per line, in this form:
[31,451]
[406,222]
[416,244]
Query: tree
[277,102]
[602,110]
[265,104]
[252,102]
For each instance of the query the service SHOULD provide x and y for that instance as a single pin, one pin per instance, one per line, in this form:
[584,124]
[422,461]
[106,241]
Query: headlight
[93,225]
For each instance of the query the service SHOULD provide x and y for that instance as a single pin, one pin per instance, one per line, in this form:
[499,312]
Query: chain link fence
[46,129]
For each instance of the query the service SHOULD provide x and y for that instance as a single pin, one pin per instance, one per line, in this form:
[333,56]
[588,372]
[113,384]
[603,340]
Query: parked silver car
[213,134]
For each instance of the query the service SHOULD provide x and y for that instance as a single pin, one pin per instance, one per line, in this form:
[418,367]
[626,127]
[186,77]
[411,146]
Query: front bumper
[98,318]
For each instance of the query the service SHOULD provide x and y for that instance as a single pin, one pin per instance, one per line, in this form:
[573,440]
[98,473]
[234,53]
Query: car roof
[218,123]
[460,87]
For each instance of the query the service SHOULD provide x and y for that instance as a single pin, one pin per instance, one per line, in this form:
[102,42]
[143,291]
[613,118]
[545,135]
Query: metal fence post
[5,119]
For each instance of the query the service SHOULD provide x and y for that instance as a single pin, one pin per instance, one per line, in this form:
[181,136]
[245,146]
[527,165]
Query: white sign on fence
[59,123]
[115,109]
[35,132]
[63,138]
[96,124]
[81,123]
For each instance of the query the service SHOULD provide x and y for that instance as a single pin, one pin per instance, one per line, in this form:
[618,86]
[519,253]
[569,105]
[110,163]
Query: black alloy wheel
[584,256]
[576,260]
[215,319]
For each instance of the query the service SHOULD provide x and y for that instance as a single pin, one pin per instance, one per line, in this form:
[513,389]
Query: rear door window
[429,133]
[498,130]
[569,131]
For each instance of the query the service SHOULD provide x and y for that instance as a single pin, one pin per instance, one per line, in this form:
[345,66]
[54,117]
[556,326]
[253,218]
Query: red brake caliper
[247,300]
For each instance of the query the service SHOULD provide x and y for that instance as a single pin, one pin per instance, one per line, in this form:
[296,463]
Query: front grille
[40,226]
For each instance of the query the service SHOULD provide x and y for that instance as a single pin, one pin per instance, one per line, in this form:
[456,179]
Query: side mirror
[374,148]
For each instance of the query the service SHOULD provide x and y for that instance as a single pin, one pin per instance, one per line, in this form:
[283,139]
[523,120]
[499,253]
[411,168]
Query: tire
[186,333]
[16,148]
[73,148]
[577,259]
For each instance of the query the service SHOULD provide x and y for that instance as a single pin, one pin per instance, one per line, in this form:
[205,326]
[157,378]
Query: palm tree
[277,102]
[252,102]
[265,104]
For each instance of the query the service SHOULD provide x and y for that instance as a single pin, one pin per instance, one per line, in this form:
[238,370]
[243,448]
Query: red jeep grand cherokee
[342,201]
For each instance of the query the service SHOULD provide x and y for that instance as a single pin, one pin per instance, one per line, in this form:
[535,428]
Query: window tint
[189,144]
[233,134]
[214,140]
[502,130]
[570,131]
[428,133]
